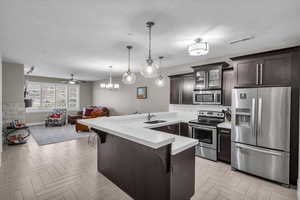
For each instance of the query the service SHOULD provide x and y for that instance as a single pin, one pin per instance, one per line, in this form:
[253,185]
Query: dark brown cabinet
[209,76]
[172,129]
[224,145]
[175,87]
[181,129]
[184,129]
[228,85]
[247,72]
[276,70]
[272,70]
[181,89]
[187,89]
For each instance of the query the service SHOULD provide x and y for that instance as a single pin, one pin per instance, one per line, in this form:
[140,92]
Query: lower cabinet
[224,145]
[172,129]
[181,129]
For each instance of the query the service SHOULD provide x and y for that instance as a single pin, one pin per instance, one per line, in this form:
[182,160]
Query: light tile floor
[67,171]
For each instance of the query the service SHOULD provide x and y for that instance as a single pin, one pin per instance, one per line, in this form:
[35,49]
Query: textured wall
[124,101]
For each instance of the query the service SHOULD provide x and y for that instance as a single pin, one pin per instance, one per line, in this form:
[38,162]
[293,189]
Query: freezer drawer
[207,153]
[269,164]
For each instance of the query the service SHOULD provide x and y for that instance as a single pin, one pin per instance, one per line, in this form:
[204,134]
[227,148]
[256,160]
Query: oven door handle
[202,127]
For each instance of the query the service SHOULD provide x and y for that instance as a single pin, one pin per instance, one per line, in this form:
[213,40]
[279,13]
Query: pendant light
[129,76]
[160,80]
[150,70]
[110,85]
[198,48]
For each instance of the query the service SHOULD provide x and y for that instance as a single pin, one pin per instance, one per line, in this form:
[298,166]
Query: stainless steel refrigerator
[261,132]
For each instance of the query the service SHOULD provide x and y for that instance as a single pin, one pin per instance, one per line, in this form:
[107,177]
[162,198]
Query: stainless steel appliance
[212,97]
[204,129]
[261,132]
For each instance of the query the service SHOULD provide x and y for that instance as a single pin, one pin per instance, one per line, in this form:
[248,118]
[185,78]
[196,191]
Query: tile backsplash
[190,111]
[13,111]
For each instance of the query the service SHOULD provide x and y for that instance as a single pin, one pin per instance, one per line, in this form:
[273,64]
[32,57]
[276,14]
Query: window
[47,96]
[73,97]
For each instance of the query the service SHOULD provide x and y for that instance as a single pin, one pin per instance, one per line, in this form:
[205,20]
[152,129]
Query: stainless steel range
[204,129]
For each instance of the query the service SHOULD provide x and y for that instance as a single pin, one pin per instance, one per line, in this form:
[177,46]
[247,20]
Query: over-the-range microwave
[207,97]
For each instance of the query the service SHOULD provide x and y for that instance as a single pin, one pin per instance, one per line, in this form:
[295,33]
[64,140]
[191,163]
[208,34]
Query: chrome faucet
[149,116]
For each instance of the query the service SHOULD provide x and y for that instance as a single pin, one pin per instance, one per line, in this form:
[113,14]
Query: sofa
[88,113]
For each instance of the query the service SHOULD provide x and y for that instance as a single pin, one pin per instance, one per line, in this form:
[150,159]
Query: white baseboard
[35,124]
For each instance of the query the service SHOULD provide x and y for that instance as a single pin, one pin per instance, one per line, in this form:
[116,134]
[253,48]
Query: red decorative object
[56,115]
[88,111]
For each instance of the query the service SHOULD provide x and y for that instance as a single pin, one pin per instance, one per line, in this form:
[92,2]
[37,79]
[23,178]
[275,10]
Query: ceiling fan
[72,80]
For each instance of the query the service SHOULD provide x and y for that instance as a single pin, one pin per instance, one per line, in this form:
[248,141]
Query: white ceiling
[86,36]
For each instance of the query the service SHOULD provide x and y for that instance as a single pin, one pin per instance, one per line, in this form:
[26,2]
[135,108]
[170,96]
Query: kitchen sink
[155,121]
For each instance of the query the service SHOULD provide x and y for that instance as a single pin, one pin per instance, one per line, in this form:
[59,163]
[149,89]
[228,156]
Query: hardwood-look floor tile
[68,171]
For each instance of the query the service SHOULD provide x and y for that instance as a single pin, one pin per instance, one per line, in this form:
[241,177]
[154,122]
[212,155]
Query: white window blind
[47,96]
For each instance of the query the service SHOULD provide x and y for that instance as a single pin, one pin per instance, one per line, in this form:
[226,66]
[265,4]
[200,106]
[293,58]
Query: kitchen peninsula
[147,164]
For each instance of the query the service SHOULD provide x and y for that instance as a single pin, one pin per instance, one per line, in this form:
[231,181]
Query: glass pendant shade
[198,48]
[128,78]
[160,81]
[149,70]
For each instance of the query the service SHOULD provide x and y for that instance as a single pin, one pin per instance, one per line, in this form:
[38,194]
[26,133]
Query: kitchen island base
[146,173]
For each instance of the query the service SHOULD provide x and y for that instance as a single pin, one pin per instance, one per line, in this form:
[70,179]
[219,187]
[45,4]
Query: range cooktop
[208,118]
[206,122]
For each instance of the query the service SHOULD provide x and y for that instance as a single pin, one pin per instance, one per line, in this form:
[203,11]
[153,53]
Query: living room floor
[67,170]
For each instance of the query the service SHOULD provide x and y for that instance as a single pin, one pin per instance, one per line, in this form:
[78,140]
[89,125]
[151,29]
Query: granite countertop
[133,128]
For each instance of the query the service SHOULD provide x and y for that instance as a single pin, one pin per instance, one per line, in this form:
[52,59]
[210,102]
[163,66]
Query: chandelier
[150,70]
[110,85]
[129,76]
[198,48]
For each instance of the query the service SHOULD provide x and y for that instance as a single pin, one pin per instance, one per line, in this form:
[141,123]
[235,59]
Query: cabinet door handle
[257,66]
[261,73]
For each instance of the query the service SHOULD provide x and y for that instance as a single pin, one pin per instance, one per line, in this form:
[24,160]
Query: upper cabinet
[228,85]
[187,89]
[263,70]
[247,72]
[181,89]
[209,76]
[276,70]
[175,89]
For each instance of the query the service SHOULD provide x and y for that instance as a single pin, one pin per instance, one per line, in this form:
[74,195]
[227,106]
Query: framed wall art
[141,93]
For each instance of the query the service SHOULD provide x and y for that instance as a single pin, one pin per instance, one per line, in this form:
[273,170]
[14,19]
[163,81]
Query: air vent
[242,40]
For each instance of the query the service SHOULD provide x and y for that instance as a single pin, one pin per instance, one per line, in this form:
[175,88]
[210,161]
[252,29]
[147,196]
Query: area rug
[49,135]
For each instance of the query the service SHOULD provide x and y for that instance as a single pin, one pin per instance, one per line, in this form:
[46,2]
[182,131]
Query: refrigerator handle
[261,74]
[259,116]
[274,153]
[253,117]
[257,74]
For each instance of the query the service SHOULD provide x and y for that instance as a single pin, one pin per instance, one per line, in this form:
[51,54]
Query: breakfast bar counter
[146,164]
